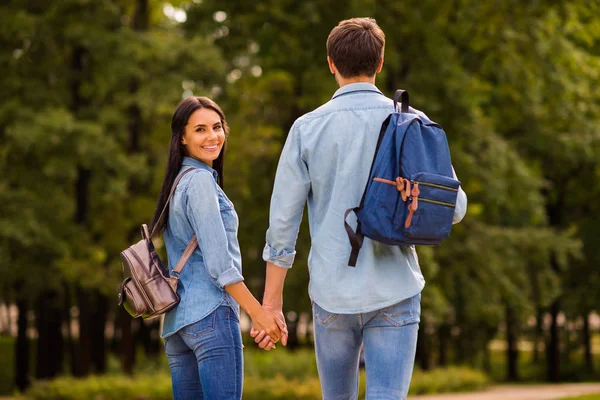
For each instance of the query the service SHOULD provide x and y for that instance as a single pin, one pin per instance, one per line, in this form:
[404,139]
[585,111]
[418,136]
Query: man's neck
[355,79]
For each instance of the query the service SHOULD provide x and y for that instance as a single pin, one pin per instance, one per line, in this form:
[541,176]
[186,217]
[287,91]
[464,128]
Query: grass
[586,397]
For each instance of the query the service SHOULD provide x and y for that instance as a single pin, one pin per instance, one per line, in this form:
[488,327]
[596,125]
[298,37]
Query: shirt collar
[356,87]
[192,162]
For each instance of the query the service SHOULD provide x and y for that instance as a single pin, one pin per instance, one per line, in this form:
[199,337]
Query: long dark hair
[176,152]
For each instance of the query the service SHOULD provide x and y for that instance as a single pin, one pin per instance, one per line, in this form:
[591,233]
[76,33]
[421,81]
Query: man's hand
[261,337]
[265,321]
[273,304]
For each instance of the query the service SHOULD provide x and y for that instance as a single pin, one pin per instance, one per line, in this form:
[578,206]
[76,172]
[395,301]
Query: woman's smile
[211,147]
[204,136]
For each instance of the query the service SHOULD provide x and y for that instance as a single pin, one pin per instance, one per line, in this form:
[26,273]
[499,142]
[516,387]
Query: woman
[202,333]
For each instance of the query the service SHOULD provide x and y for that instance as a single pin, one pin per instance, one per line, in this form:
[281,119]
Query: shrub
[290,365]
[282,386]
[451,379]
[148,387]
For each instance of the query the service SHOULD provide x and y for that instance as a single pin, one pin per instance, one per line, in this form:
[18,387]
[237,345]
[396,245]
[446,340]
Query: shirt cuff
[229,277]
[282,258]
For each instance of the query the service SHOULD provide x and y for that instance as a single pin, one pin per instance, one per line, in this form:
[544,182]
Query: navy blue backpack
[411,193]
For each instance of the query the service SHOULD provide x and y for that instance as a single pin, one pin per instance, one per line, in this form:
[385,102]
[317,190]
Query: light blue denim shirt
[326,161]
[200,206]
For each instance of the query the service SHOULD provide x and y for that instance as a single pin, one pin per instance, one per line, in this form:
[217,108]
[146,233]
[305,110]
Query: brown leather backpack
[148,289]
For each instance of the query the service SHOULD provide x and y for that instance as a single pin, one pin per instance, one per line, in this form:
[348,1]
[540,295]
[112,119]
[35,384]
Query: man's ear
[380,66]
[332,67]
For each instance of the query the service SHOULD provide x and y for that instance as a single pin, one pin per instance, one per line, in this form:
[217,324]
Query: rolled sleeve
[205,217]
[281,258]
[229,277]
[461,203]
[290,191]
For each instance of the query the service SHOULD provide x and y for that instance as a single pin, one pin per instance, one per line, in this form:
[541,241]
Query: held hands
[269,327]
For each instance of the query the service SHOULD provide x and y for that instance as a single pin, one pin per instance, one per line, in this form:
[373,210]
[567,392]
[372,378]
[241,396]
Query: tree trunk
[512,350]
[538,334]
[22,345]
[444,341]
[156,342]
[555,211]
[423,347]
[459,307]
[98,329]
[487,359]
[83,365]
[143,335]
[126,342]
[587,343]
[50,343]
[292,324]
[71,346]
[139,23]
[85,345]
[553,350]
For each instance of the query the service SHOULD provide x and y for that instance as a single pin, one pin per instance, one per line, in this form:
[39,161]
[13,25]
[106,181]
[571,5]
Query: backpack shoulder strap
[187,253]
[401,95]
[169,199]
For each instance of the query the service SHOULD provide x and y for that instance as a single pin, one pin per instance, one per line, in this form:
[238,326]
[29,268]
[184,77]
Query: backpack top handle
[401,95]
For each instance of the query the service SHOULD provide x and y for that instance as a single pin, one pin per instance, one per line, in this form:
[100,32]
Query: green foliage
[158,386]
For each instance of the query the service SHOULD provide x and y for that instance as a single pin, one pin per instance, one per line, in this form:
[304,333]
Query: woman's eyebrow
[200,125]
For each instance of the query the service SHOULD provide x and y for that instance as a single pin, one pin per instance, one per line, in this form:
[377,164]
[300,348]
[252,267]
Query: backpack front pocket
[430,206]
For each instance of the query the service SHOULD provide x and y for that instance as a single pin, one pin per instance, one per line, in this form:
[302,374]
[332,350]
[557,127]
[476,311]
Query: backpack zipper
[436,186]
[405,190]
[441,203]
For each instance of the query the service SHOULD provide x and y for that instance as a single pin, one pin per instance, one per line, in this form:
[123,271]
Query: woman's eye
[218,127]
[200,130]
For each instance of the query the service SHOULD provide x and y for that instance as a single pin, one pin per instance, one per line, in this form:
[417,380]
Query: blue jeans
[389,336]
[205,358]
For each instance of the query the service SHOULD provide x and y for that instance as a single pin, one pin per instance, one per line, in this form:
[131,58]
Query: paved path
[510,392]
[520,392]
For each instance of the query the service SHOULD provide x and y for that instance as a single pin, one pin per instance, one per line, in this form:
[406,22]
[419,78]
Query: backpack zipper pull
[414,204]
[399,184]
[406,193]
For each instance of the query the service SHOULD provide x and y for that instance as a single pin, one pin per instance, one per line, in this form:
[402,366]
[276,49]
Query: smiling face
[204,136]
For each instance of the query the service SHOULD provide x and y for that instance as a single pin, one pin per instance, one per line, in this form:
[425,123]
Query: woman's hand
[263,320]
[263,338]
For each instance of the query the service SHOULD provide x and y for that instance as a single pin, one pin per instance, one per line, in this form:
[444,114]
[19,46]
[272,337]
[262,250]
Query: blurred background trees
[88,89]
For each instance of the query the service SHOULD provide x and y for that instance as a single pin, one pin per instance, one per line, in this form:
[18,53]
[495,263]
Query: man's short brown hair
[356,46]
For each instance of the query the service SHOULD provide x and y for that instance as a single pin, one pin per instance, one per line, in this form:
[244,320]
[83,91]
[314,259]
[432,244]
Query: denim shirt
[200,206]
[326,161]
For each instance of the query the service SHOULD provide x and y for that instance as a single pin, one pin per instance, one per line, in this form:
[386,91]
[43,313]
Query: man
[326,161]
